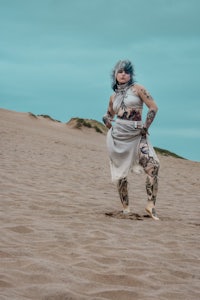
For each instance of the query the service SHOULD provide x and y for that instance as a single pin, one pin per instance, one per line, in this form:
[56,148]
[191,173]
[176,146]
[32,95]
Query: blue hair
[125,65]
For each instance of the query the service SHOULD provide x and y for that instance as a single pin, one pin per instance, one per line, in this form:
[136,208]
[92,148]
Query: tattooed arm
[108,117]
[150,103]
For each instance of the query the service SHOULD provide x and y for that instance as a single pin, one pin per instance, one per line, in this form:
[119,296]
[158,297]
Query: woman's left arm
[150,103]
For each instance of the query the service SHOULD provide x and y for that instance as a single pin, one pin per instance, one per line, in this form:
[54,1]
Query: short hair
[125,65]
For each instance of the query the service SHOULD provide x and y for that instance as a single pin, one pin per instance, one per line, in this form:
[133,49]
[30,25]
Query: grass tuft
[89,123]
[167,153]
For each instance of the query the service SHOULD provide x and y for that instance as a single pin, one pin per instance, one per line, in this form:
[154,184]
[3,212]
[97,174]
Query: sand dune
[62,234]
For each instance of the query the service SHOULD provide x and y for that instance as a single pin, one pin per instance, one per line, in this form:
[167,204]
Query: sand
[62,235]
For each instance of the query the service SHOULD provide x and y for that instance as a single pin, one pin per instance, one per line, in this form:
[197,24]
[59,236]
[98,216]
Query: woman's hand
[144,131]
[107,122]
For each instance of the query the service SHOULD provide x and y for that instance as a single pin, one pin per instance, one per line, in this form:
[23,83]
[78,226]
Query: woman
[127,140]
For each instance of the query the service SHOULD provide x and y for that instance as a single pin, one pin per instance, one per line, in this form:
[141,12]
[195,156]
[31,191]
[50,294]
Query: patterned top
[130,108]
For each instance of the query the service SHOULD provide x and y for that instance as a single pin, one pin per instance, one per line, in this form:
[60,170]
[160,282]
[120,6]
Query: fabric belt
[136,124]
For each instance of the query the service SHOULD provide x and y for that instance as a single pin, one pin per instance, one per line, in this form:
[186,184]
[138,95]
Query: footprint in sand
[121,215]
[20,229]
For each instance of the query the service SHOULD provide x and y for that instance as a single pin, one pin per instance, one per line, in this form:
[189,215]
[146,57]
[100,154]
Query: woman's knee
[152,168]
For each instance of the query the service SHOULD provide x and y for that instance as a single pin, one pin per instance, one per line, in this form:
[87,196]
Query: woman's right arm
[108,117]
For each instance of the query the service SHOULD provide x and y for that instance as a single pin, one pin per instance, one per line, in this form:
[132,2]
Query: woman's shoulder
[137,86]
[112,97]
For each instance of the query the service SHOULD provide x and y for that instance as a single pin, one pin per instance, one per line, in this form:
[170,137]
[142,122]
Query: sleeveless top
[126,106]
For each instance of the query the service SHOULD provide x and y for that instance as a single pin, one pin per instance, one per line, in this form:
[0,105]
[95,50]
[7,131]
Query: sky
[56,58]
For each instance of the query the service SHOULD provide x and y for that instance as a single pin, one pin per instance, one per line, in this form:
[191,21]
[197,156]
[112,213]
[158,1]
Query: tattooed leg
[151,167]
[122,186]
[152,188]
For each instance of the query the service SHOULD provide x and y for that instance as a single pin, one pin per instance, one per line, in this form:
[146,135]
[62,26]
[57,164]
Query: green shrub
[98,129]
[32,115]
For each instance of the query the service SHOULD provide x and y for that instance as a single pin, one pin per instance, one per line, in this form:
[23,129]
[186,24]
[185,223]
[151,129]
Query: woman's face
[123,76]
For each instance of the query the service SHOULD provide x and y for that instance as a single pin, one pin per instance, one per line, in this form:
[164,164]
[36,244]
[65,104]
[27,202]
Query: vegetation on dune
[89,123]
[32,115]
[43,116]
[48,117]
[167,153]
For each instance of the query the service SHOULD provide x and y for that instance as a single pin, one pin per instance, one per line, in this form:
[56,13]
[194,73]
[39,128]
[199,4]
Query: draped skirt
[123,141]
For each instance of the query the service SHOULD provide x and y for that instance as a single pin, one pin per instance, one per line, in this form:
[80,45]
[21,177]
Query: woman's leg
[151,167]
[122,187]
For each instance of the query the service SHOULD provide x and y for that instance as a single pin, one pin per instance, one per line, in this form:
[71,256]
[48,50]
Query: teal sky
[56,57]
